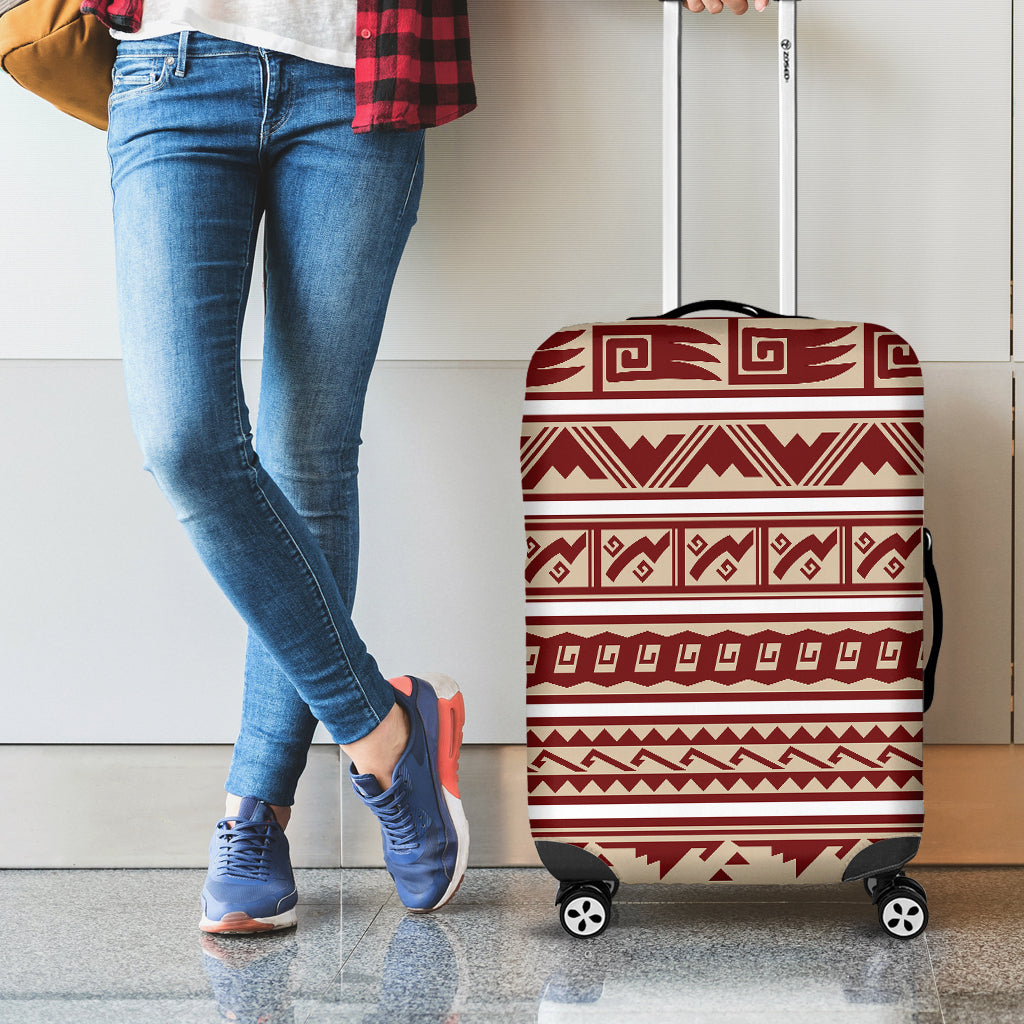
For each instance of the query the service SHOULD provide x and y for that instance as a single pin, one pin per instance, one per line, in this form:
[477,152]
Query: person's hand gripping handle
[717,6]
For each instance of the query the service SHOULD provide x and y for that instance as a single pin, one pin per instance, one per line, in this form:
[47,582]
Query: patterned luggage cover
[724,595]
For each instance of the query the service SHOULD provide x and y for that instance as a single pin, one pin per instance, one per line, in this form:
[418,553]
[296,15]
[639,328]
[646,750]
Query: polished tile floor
[122,946]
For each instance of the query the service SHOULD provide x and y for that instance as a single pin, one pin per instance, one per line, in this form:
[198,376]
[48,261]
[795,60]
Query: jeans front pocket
[135,74]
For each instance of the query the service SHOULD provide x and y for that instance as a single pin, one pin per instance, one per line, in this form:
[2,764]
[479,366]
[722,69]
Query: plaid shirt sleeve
[413,67]
[123,15]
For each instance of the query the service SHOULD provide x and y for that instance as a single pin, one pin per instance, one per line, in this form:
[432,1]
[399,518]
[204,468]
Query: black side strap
[932,580]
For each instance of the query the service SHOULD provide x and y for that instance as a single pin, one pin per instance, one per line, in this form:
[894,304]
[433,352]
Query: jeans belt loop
[179,69]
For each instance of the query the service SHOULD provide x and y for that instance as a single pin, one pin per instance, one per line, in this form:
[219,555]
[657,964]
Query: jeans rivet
[170,60]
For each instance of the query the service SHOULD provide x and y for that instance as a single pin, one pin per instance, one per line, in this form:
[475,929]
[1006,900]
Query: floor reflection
[498,954]
[251,976]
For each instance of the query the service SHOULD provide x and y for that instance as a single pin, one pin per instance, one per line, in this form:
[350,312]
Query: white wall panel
[544,205]
[968,508]
[443,545]
[1018,348]
[540,208]
[57,284]
[111,631]
[904,167]
[56,263]
[97,792]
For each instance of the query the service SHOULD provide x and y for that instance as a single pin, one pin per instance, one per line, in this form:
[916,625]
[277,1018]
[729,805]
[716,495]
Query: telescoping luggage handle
[671,141]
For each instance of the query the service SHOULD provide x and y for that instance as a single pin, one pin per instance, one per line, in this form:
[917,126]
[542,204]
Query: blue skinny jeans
[207,137]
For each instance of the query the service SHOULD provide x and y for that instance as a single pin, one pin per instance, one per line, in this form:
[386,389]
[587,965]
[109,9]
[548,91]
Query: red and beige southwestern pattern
[724,595]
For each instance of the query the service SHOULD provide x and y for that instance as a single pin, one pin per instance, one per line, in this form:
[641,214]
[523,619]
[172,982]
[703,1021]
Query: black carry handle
[727,304]
[932,579]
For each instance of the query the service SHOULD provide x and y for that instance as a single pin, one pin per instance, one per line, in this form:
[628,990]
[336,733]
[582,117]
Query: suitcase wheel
[902,905]
[871,885]
[585,909]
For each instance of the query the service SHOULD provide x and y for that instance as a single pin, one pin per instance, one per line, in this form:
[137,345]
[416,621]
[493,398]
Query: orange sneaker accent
[237,922]
[451,717]
[403,683]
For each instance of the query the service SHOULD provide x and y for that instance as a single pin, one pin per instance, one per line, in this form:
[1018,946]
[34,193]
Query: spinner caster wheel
[585,911]
[871,885]
[903,911]
[913,884]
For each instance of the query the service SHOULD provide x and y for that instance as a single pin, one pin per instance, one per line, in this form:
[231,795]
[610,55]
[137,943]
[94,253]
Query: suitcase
[725,559]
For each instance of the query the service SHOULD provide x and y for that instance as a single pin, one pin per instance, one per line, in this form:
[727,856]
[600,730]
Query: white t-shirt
[320,30]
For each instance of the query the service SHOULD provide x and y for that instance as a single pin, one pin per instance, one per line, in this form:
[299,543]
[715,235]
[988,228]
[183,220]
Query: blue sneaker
[249,887]
[426,836]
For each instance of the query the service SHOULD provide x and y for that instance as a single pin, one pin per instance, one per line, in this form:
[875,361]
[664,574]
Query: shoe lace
[397,821]
[244,848]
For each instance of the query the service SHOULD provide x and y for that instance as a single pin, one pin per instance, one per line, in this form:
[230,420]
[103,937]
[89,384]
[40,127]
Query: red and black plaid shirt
[413,68]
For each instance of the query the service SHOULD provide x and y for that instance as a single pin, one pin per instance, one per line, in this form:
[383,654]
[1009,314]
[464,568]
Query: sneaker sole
[240,923]
[451,717]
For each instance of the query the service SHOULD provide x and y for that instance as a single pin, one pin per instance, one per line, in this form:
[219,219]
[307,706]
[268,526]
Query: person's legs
[339,209]
[188,176]
[192,144]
